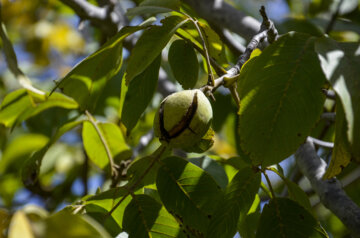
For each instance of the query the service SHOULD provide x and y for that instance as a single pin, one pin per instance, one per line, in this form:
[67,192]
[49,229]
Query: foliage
[95,123]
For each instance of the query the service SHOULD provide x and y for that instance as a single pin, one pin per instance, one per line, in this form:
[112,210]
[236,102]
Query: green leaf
[188,193]
[113,140]
[340,64]
[184,63]
[140,92]
[248,222]
[21,104]
[154,7]
[145,217]
[150,45]
[99,205]
[239,195]
[64,224]
[298,195]
[281,99]
[20,226]
[300,25]
[213,168]
[138,168]
[87,79]
[283,217]
[20,149]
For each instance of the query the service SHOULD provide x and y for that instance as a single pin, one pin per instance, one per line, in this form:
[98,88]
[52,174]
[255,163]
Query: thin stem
[218,68]
[269,183]
[156,155]
[331,24]
[103,141]
[207,57]
[321,143]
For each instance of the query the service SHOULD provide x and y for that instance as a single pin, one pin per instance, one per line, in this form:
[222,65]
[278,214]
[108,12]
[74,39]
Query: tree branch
[223,15]
[330,191]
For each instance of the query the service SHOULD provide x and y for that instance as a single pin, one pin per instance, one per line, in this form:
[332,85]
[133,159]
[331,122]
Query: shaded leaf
[281,99]
[113,139]
[184,63]
[248,222]
[283,217]
[145,217]
[139,94]
[188,193]
[238,198]
[300,25]
[340,64]
[150,45]
[154,7]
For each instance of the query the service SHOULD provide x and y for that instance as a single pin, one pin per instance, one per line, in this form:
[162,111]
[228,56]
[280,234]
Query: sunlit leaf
[340,64]
[110,139]
[281,99]
[20,226]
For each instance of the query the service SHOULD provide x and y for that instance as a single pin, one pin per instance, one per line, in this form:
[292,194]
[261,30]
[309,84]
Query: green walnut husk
[183,121]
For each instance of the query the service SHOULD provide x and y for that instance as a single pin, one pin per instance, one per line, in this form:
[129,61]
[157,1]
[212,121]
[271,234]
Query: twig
[207,57]
[321,143]
[331,24]
[330,191]
[103,141]
[267,30]
[156,155]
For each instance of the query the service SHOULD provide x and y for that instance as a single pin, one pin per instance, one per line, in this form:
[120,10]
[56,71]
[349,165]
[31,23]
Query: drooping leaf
[139,94]
[340,64]
[21,104]
[239,195]
[283,217]
[87,79]
[110,138]
[184,63]
[150,45]
[145,217]
[281,99]
[188,193]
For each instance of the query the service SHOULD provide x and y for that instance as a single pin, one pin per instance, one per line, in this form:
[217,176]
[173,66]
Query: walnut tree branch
[330,191]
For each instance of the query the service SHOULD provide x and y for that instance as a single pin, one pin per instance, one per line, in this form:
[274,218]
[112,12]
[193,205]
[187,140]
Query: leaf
[154,7]
[188,193]
[150,45]
[113,139]
[99,205]
[184,63]
[239,195]
[20,149]
[213,168]
[248,222]
[281,99]
[298,195]
[340,62]
[283,217]
[139,94]
[87,79]
[145,217]
[64,224]
[21,104]
[20,226]
[301,25]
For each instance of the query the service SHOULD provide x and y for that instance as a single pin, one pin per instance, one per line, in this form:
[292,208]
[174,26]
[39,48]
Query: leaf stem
[269,184]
